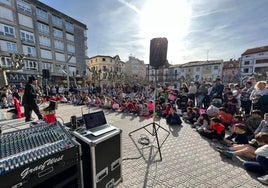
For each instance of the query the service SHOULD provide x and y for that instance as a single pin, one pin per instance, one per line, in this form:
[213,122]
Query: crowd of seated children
[203,123]
[173,118]
[260,165]
[238,135]
[216,130]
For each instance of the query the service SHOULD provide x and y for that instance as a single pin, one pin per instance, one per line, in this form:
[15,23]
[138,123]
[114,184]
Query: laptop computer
[96,123]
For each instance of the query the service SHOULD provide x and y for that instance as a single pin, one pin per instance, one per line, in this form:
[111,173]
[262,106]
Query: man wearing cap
[29,100]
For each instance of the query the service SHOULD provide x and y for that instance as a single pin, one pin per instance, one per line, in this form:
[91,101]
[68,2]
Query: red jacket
[218,128]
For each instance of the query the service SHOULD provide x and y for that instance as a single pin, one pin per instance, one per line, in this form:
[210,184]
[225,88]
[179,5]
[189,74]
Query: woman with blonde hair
[259,97]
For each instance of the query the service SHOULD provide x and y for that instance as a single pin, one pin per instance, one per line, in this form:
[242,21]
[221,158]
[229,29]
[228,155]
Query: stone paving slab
[188,159]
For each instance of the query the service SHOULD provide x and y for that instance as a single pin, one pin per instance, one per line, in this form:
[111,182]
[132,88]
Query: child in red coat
[216,130]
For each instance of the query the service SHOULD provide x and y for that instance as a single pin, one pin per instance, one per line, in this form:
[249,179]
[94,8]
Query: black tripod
[155,126]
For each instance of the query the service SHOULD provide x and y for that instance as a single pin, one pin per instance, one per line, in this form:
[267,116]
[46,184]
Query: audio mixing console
[30,156]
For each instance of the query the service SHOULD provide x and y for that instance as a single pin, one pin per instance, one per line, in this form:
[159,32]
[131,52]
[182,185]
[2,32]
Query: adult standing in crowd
[217,89]
[259,97]
[201,94]
[245,97]
[29,100]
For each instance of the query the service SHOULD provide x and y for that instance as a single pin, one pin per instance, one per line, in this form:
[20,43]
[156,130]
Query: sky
[196,30]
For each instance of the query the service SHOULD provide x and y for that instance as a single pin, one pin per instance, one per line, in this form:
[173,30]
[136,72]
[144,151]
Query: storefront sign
[14,77]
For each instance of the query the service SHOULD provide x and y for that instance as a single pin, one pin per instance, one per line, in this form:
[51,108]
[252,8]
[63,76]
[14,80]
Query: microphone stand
[155,126]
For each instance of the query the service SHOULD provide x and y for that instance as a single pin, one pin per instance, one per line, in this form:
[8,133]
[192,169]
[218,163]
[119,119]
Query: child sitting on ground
[50,111]
[216,130]
[173,118]
[260,166]
[238,136]
[225,117]
[202,123]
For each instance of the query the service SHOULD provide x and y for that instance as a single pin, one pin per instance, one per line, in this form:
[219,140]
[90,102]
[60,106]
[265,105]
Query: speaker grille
[45,73]
[158,52]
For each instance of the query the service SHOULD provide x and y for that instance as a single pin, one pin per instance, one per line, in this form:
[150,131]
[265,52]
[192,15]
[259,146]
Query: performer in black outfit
[29,99]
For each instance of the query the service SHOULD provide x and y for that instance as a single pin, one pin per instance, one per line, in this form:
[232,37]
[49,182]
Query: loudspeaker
[158,52]
[45,73]
[74,122]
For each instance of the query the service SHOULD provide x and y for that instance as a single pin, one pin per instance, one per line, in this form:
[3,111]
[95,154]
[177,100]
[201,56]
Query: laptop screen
[94,119]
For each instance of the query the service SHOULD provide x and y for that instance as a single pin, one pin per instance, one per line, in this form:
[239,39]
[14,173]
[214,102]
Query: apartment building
[135,71]
[48,39]
[188,72]
[230,71]
[254,62]
[105,71]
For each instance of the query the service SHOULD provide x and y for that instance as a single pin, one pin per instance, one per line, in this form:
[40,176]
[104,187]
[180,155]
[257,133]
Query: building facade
[188,72]
[254,62]
[230,71]
[48,39]
[135,71]
[105,71]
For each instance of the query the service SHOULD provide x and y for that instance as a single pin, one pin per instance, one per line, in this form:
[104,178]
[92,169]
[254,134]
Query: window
[246,63]
[44,40]
[261,61]
[56,21]
[70,48]
[197,69]
[216,67]
[46,65]
[69,37]
[30,65]
[11,47]
[24,7]
[5,61]
[69,26]
[43,27]
[7,2]
[58,45]
[57,33]
[41,14]
[27,37]
[246,70]
[9,31]
[103,59]
[29,50]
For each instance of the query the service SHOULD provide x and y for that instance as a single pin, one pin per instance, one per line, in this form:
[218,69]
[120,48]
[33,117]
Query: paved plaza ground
[188,160]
